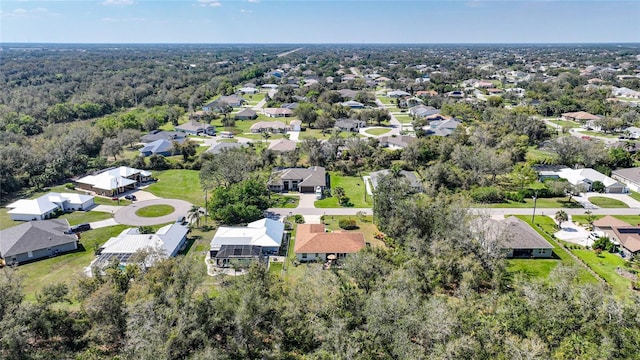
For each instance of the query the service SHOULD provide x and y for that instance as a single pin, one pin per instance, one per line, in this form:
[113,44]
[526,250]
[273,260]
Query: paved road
[127,215]
[396,126]
[577,132]
[488,211]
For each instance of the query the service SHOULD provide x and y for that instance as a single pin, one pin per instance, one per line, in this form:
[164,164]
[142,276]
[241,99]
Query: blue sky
[327,21]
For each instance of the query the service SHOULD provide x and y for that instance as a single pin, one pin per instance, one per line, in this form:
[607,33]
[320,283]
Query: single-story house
[46,205]
[427,93]
[522,241]
[411,178]
[248,90]
[282,145]
[264,235]
[278,112]
[353,104]
[584,178]
[195,128]
[626,92]
[580,116]
[441,127]
[113,181]
[348,93]
[304,180]
[397,142]
[295,125]
[494,91]
[269,126]
[421,111]
[629,177]
[233,100]
[397,94]
[246,114]
[241,255]
[628,239]
[36,240]
[159,147]
[223,146]
[349,125]
[163,135]
[130,243]
[313,243]
[291,106]
[455,94]
[606,225]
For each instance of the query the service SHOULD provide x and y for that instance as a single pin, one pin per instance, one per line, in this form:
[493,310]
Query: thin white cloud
[117,2]
[245,11]
[210,3]
[121,20]
[253,1]
[29,13]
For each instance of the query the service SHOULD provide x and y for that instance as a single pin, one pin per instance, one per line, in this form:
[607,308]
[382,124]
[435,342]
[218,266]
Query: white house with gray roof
[304,180]
[629,177]
[46,205]
[165,243]
[35,240]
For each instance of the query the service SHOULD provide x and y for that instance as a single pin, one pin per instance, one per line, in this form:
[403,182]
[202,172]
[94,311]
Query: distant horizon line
[327,43]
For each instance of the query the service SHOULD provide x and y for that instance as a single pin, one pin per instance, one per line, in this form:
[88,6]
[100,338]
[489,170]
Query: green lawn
[405,119]
[634,195]
[605,202]
[281,201]
[598,134]
[155,211]
[542,203]
[377,131]
[386,100]
[354,189]
[566,124]
[536,155]
[79,217]
[605,265]
[5,219]
[365,226]
[178,184]
[540,268]
[68,267]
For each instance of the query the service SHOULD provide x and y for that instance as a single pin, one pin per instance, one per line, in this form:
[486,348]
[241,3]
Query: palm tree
[561,216]
[194,215]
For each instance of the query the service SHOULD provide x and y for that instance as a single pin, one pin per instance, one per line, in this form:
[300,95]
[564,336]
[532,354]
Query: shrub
[516,196]
[487,194]
[347,224]
[299,219]
[69,186]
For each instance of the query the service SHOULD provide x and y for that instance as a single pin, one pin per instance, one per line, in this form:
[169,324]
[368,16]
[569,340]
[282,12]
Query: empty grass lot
[178,184]
[607,203]
[566,124]
[155,211]
[79,217]
[541,268]
[405,119]
[354,189]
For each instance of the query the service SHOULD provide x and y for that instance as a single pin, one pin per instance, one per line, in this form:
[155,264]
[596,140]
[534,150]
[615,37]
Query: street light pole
[533,217]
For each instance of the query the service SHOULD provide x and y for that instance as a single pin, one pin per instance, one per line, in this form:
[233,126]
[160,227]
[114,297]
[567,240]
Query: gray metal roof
[34,235]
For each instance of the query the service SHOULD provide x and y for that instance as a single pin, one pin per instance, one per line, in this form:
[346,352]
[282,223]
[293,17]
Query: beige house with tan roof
[313,243]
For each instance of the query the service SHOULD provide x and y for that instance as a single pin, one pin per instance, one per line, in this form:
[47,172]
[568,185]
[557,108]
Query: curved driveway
[127,215]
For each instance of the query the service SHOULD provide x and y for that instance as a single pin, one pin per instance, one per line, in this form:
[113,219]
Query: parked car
[78,228]
[130,197]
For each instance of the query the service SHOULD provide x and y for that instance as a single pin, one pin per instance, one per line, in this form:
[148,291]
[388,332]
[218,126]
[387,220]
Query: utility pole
[533,217]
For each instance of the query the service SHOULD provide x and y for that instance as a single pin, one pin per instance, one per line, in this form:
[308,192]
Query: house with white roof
[129,246]
[113,181]
[584,178]
[46,205]
[257,239]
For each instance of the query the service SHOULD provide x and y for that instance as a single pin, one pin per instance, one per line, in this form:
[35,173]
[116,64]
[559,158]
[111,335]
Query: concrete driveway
[127,215]
[307,201]
[572,233]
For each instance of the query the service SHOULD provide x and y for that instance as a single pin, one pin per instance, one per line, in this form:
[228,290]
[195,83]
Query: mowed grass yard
[560,202]
[605,265]
[178,184]
[66,268]
[607,203]
[155,211]
[365,226]
[541,268]
[354,189]
[377,131]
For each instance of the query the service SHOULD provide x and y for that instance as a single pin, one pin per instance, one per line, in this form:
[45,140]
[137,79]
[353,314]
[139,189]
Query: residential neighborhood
[319,188]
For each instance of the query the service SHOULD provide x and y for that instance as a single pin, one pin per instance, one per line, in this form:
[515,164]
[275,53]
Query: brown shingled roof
[311,238]
[609,222]
[629,237]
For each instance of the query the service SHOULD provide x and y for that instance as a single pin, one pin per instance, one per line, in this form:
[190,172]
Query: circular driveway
[127,215]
